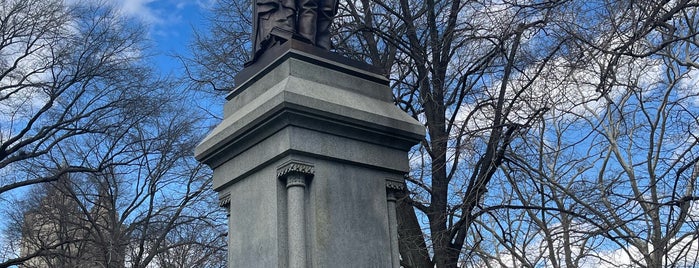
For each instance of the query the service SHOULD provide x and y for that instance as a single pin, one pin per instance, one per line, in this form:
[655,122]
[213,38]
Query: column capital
[295,167]
[392,185]
[224,200]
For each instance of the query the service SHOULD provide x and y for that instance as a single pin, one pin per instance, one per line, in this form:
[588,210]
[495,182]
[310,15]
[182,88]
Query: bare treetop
[276,21]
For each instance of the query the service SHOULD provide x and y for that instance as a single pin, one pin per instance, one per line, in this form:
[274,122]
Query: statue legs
[327,10]
[270,14]
[286,17]
[314,19]
[307,17]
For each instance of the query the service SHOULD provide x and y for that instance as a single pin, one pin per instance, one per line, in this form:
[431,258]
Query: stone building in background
[67,230]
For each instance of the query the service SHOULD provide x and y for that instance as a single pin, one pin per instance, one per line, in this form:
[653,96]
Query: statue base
[306,159]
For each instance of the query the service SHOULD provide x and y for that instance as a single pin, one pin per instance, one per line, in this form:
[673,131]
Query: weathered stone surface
[339,122]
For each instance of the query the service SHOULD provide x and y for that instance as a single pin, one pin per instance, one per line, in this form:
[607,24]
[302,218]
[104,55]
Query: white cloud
[158,12]
[138,9]
[204,4]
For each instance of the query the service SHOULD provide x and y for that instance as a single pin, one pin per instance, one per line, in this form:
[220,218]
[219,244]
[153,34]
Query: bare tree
[221,51]
[80,105]
[65,72]
[152,201]
[609,179]
[462,71]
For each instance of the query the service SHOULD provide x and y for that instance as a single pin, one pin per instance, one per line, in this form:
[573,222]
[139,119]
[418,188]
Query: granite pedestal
[307,156]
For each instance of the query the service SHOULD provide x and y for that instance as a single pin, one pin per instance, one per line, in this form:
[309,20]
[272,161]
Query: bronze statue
[307,20]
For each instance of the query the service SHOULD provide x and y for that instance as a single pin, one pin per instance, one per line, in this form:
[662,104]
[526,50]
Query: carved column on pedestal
[392,190]
[295,173]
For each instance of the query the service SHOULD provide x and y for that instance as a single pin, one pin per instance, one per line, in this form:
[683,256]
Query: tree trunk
[413,250]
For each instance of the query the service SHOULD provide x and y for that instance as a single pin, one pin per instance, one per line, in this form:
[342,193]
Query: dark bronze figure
[306,20]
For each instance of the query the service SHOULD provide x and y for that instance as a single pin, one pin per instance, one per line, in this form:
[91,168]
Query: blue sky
[170,25]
